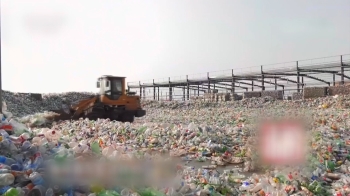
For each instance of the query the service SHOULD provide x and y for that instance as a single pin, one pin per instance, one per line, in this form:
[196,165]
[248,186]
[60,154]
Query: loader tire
[128,118]
[96,112]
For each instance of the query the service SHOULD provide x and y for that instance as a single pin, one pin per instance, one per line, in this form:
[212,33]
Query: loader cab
[111,86]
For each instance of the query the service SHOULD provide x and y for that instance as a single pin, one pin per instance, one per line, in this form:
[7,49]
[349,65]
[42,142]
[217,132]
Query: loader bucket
[61,115]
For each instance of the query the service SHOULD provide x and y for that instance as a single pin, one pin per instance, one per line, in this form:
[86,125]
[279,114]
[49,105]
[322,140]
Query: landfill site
[203,146]
[175,98]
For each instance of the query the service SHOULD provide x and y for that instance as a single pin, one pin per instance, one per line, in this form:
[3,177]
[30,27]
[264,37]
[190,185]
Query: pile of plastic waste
[250,103]
[178,148]
[22,104]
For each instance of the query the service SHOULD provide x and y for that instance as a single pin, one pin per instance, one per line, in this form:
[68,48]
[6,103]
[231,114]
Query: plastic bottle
[18,128]
[56,190]
[20,139]
[8,145]
[95,148]
[32,150]
[38,161]
[184,189]
[36,140]
[5,171]
[114,155]
[246,186]
[52,135]
[80,148]
[4,189]
[206,174]
[36,178]
[25,145]
[256,188]
[43,141]
[107,151]
[20,191]
[4,134]
[49,192]
[72,144]
[125,192]
[6,179]
[25,189]
[16,167]
[267,188]
[38,190]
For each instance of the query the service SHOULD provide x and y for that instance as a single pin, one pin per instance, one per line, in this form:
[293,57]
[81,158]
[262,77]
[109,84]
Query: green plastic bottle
[95,147]
[60,158]
[12,192]
[108,193]
[149,192]
[330,165]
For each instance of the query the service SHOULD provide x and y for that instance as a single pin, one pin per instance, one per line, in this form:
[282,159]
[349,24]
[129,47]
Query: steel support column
[302,83]
[188,88]
[141,93]
[333,79]
[173,95]
[170,91]
[144,93]
[183,94]
[252,85]
[233,83]
[140,90]
[262,77]
[198,90]
[298,78]
[208,82]
[154,91]
[158,93]
[275,83]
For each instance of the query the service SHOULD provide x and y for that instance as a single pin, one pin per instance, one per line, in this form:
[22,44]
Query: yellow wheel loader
[113,102]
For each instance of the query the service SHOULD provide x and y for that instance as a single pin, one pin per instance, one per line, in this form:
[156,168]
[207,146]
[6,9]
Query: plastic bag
[18,128]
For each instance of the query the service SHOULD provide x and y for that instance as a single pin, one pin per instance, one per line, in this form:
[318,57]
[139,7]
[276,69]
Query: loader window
[117,86]
[107,83]
[98,84]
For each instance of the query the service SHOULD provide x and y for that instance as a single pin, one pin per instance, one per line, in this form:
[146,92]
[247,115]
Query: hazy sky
[55,46]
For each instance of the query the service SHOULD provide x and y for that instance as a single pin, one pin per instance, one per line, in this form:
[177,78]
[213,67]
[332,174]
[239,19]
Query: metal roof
[110,76]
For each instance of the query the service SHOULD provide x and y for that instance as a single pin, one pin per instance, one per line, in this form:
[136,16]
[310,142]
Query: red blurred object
[6,127]
[329,148]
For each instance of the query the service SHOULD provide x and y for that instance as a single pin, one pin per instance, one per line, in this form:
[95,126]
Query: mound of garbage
[251,103]
[23,104]
[178,148]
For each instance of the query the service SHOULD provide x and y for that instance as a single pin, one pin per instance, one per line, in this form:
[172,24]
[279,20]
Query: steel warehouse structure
[289,77]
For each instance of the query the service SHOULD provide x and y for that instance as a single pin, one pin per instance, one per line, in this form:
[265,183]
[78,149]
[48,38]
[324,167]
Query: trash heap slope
[22,104]
[218,135]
